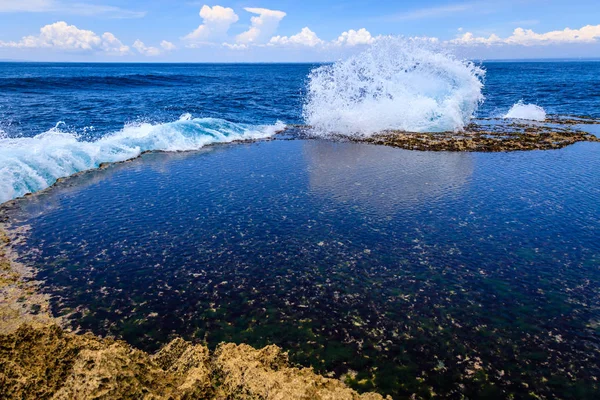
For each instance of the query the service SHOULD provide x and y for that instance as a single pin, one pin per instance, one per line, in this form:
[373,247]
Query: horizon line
[546,59]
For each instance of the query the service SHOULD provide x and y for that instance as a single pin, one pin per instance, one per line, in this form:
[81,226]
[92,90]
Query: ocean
[402,272]
[70,104]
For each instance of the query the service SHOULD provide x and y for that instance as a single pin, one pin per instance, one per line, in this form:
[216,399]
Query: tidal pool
[460,274]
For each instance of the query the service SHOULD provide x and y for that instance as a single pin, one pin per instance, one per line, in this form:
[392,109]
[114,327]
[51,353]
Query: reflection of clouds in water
[384,178]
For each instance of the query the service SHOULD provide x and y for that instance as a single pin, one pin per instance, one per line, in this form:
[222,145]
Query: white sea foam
[530,112]
[398,84]
[31,164]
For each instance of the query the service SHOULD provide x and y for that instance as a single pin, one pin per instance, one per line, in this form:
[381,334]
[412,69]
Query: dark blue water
[107,96]
[464,274]
[35,97]
[562,88]
[49,113]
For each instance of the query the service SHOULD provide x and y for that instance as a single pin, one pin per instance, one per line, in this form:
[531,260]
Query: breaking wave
[530,112]
[31,164]
[398,84]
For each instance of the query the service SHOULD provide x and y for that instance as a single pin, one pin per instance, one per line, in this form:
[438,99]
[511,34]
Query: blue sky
[309,30]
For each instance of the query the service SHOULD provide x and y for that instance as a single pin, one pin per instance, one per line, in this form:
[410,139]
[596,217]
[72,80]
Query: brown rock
[46,362]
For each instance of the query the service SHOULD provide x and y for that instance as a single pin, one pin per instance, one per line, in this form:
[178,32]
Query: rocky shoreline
[46,362]
[40,360]
[485,139]
[20,300]
[484,135]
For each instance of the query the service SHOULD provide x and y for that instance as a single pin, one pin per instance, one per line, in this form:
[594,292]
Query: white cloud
[62,36]
[305,37]
[112,45]
[215,24]
[145,50]
[469,39]
[527,37]
[234,46]
[167,46]
[66,7]
[263,26]
[153,51]
[353,38]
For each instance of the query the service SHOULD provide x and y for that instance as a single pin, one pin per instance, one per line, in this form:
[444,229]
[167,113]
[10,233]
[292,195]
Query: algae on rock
[46,362]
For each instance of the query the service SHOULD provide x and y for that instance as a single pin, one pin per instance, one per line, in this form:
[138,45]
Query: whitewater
[396,84]
[28,165]
[531,112]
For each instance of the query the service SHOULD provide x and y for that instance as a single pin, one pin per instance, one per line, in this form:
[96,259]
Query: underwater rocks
[46,362]
[19,299]
[39,360]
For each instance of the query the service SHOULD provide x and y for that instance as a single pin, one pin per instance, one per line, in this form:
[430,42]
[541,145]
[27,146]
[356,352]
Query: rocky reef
[486,138]
[40,360]
[483,135]
[20,301]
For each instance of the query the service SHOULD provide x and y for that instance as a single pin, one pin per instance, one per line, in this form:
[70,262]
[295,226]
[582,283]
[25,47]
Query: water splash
[400,84]
[31,164]
[530,112]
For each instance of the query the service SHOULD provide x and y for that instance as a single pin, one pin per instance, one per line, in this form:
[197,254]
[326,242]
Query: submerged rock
[20,300]
[46,362]
[39,360]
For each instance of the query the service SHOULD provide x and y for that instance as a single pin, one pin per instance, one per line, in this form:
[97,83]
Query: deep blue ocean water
[464,274]
[36,96]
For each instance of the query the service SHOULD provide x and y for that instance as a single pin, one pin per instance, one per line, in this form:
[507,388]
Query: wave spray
[32,164]
[396,84]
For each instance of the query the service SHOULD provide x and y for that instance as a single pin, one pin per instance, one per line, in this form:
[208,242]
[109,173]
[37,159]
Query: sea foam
[400,84]
[530,112]
[31,164]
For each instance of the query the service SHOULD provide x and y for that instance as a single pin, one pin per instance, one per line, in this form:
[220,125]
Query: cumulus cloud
[527,37]
[62,36]
[167,46]
[112,45]
[145,50]
[215,24]
[353,38]
[305,37]
[469,39]
[263,26]
[235,46]
[153,51]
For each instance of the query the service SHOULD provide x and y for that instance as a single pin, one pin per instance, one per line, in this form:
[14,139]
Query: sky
[286,30]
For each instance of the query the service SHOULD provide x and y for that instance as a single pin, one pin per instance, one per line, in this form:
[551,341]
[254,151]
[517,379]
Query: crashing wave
[398,84]
[31,164]
[530,112]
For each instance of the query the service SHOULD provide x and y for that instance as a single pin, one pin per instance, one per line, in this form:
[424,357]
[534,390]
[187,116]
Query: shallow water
[457,273]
